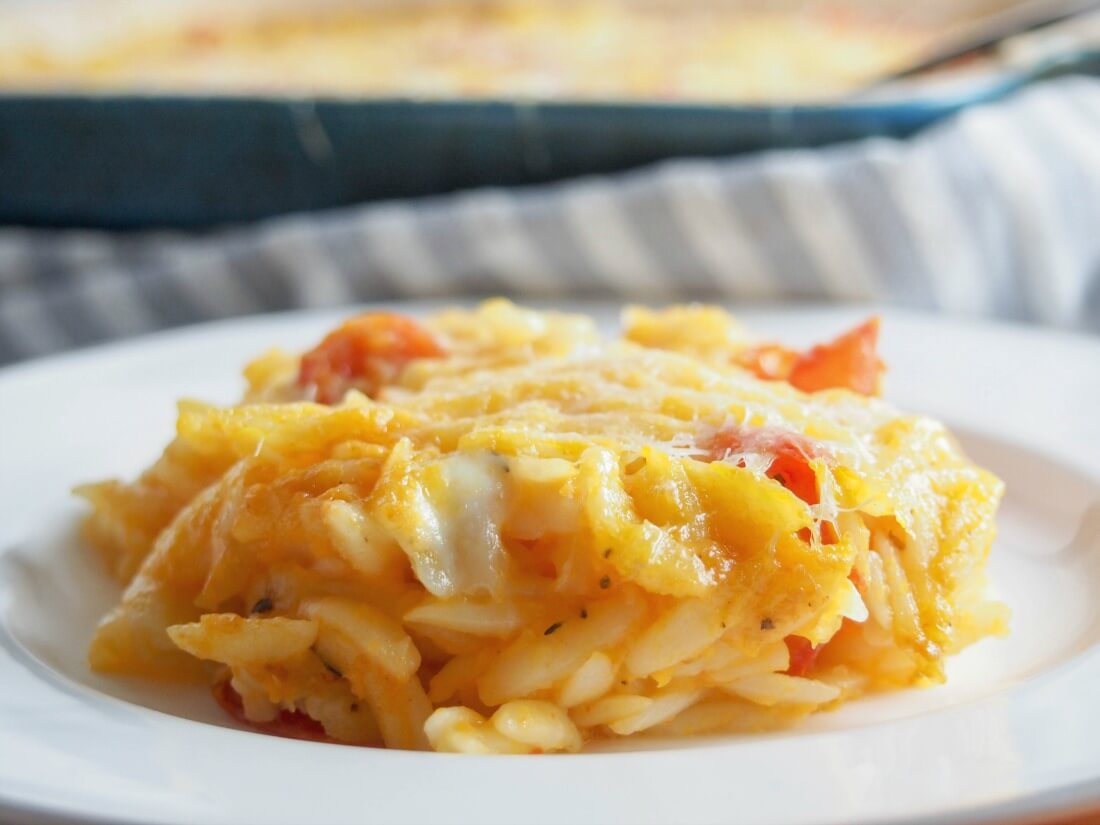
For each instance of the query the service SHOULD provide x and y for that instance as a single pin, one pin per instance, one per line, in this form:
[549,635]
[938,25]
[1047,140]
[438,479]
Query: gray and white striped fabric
[995,213]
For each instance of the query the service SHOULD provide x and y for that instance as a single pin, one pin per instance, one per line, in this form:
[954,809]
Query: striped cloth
[995,213]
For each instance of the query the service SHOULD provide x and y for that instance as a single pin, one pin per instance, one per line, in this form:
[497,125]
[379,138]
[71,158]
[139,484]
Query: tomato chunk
[772,362]
[365,353]
[791,469]
[288,724]
[803,655]
[850,362]
[792,455]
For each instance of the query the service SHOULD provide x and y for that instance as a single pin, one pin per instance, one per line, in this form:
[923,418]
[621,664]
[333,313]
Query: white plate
[1015,732]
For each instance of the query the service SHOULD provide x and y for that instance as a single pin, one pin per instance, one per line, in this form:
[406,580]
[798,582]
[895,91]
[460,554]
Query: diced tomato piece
[791,469]
[288,724]
[850,362]
[802,655]
[791,464]
[772,362]
[364,353]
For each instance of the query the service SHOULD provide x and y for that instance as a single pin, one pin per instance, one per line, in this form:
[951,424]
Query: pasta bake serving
[495,531]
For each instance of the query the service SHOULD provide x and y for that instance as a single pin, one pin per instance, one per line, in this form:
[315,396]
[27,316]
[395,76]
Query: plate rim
[1054,800]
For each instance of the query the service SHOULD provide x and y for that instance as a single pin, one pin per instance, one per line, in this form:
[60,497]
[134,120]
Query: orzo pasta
[494,531]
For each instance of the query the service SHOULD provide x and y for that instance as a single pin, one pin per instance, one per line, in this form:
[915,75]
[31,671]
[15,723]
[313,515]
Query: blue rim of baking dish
[157,161]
